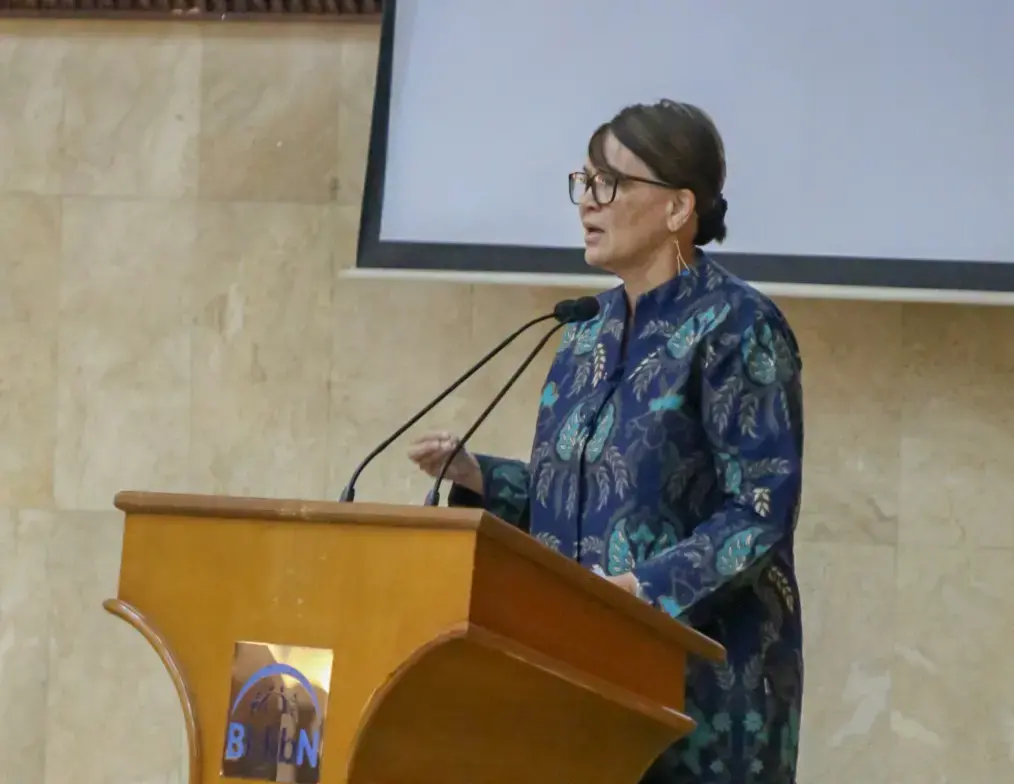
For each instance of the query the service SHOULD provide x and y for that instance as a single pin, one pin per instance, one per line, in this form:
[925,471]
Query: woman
[669,441]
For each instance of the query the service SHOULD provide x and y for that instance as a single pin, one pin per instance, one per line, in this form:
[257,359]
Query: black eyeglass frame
[617,178]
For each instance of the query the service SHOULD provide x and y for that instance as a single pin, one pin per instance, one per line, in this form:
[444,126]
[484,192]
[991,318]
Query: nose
[587,202]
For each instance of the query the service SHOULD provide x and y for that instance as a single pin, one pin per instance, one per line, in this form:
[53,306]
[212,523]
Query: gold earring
[681,263]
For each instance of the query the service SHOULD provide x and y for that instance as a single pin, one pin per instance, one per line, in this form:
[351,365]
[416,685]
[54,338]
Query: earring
[682,268]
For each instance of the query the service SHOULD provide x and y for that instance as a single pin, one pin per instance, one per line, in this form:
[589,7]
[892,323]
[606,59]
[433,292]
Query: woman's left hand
[626,581]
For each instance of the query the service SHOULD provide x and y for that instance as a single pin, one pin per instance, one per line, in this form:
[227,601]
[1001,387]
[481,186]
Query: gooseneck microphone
[564,312]
[581,309]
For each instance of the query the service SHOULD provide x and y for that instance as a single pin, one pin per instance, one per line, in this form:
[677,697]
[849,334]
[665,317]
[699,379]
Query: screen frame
[822,276]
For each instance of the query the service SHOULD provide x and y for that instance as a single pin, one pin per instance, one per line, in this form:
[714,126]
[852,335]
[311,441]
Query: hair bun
[711,224]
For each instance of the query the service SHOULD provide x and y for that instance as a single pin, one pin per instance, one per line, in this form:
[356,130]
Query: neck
[655,271]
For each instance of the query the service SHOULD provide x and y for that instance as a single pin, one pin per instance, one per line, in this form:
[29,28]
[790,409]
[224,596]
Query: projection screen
[870,145]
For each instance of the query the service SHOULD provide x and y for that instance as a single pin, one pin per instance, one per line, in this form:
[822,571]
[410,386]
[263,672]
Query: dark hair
[681,145]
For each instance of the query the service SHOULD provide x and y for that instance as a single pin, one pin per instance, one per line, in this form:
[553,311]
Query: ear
[680,210]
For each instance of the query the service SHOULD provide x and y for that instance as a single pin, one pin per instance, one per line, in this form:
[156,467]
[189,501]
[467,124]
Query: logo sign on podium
[277,709]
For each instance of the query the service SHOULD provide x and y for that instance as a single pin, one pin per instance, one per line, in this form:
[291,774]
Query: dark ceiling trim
[327,11]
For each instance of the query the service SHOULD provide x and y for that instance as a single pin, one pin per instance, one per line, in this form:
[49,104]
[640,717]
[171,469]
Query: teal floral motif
[506,485]
[766,355]
[670,606]
[603,430]
[510,486]
[549,540]
[670,401]
[567,340]
[643,539]
[731,472]
[708,320]
[699,740]
[660,327]
[593,544]
[753,722]
[790,738]
[644,373]
[619,556]
[588,335]
[608,478]
[757,355]
[572,435]
[632,543]
[550,395]
[686,338]
[510,494]
[609,472]
[736,550]
[762,501]
[668,444]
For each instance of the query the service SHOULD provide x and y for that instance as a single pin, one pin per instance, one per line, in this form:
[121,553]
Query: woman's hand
[626,581]
[430,452]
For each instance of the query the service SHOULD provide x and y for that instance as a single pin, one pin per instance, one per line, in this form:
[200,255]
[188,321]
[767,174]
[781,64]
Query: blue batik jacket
[669,444]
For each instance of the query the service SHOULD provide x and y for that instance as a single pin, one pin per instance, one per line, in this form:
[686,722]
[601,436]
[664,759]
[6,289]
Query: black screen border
[373,253]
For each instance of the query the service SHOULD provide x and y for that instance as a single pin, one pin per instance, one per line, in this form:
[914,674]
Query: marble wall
[176,206]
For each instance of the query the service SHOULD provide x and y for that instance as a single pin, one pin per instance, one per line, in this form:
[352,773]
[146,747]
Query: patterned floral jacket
[669,444]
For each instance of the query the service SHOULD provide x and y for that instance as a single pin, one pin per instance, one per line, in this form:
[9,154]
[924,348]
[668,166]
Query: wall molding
[320,11]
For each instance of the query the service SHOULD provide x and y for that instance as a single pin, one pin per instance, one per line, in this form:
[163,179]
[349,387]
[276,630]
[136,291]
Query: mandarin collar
[677,288]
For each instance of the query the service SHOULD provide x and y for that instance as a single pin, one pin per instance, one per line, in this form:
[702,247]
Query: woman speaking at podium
[669,442]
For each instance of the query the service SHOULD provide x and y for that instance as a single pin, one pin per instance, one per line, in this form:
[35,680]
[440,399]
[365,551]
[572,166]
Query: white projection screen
[870,144]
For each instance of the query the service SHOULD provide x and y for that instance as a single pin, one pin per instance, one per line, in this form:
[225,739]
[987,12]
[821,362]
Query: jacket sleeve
[505,490]
[751,408]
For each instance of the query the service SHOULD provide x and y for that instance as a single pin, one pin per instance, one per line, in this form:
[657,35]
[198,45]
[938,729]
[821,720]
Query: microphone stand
[433,497]
[348,494]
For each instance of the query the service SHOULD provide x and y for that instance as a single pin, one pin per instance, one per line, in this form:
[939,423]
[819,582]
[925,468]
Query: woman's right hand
[430,452]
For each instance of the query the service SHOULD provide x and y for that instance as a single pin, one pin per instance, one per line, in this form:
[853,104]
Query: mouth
[592,234]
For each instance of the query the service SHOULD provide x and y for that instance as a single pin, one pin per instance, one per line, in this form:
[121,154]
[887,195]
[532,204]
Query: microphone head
[571,311]
[563,309]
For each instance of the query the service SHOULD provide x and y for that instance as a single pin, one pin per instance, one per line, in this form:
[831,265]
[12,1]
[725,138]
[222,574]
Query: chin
[594,257]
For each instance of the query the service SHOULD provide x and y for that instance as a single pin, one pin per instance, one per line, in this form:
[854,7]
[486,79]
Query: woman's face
[639,222]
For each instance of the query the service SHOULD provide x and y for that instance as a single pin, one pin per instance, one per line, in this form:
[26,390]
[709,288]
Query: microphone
[581,309]
[564,312]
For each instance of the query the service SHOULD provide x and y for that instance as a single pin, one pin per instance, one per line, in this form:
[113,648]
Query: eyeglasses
[603,185]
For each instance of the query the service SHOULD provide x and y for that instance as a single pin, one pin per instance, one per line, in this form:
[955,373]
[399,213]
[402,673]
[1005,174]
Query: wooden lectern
[380,644]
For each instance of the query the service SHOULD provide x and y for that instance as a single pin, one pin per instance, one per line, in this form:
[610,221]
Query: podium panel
[380,644]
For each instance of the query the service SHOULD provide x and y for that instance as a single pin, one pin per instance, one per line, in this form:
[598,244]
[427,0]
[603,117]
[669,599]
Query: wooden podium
[381,644]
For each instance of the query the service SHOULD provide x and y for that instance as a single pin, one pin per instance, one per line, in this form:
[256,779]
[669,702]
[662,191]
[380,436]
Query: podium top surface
[434,518]
[250,508]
